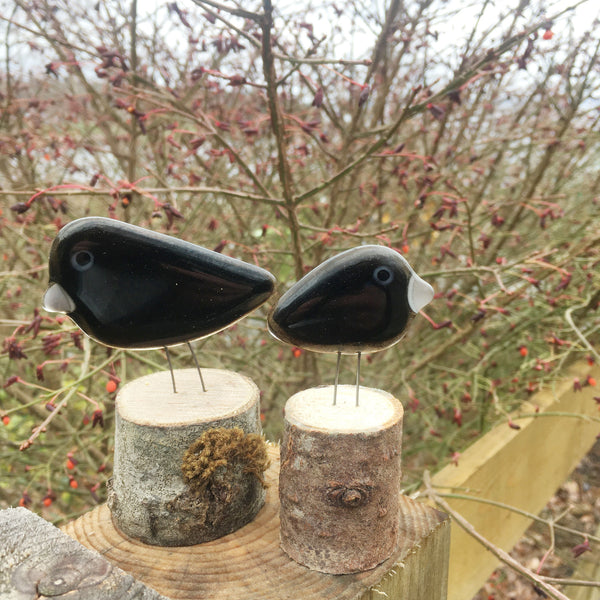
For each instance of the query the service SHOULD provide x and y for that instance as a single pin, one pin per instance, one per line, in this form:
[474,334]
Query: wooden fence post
[248,563]
[401,553]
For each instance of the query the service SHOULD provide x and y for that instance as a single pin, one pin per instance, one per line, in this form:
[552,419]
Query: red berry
[457,418]
[111,386]
[547,35]
[6,419]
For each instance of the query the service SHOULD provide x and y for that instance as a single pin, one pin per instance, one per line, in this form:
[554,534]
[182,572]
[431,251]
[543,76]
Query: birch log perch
[37,561]
[156,428]
[339,484]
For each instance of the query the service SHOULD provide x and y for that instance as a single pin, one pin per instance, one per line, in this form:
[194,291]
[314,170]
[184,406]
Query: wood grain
[37,560]
[313,408]
[150,400]
[249,564]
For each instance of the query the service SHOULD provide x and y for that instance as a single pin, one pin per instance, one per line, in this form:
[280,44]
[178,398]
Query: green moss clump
[220,452]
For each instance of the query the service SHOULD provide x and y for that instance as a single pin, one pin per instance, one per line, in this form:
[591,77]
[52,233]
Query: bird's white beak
[57,300]
[420,293]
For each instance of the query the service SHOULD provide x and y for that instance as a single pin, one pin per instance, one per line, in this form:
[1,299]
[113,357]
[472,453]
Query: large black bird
[130,287]
[358,301]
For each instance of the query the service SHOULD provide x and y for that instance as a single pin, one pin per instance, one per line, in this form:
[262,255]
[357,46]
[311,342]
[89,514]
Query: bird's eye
[383,275]
[82,260]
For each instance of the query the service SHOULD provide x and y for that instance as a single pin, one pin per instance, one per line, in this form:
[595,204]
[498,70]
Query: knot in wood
[348,495]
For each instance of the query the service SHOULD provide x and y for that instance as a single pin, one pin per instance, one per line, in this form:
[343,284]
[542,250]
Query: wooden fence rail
[521,468]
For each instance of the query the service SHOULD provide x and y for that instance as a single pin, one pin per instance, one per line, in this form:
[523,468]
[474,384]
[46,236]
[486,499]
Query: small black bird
[129,287]
[358,301]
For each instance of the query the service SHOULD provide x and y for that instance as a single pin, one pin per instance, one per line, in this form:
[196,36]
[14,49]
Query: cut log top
[313,409]
[150,400]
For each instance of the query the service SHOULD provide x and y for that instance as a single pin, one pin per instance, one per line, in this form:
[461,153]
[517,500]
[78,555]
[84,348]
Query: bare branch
[506,558]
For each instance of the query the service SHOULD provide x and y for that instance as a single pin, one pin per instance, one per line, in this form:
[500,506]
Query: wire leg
[171,369]
[197,366]
[337,377]
[357,377]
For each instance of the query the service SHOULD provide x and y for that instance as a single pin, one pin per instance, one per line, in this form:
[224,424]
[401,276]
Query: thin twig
[543,585]
[574,582]
[236,12]
[406,114]
[518,511]
[284,57]
[73,390]
[578,332]
[83,190]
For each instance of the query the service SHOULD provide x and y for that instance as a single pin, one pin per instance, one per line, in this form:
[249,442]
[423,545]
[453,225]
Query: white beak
[57,300]
[420,293]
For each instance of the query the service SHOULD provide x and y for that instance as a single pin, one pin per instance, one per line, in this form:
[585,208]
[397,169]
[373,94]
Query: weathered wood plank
[38,560]
[422,574]
[520,468]
[249,564]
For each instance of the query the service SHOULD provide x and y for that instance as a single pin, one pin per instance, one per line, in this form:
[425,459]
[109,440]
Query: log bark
[37,560]
[340,477]
[148,496]
[249,563]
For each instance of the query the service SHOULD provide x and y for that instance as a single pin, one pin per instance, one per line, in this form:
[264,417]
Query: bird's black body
[358,301]
[129,287]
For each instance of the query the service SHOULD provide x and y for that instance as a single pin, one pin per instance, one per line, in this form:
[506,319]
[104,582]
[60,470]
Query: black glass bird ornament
[129,287]
[360,300]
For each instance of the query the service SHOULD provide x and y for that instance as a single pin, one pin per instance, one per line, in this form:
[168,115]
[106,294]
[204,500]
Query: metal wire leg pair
[196,363]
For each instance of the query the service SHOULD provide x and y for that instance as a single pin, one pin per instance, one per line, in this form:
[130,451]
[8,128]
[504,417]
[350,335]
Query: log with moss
[188,465]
